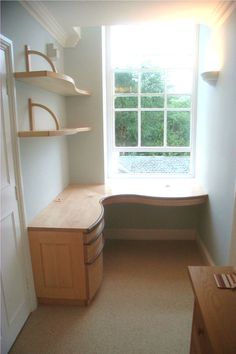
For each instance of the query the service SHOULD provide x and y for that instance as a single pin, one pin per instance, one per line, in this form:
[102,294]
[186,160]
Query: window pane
[152,102]
[126,82]
[178,101]
[179,81]
[126,128]
[152,128]
[152,82]
[153,45]
[178,128]
[154,162]
[126,102]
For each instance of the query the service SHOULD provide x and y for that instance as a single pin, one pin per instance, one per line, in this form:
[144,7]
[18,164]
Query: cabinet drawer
[90,236]
[93,249]
[94,276]
[199,336]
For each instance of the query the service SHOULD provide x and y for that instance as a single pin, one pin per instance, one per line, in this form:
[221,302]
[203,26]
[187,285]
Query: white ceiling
[93,13]
[62,16]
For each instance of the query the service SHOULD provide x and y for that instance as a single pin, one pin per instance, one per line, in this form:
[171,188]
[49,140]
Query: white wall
[44,161]
[84,63]
[216,148]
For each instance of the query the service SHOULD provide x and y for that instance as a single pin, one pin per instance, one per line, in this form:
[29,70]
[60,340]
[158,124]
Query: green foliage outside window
[126,102]
[126,82]
[178,101]
[152,128]
[150,94]
[126,128]
[178,128]
[152,82]
[152,102]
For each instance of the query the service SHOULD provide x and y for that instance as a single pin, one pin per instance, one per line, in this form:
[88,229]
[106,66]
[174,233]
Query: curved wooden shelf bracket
[50,80]
[31,115]
[29,52]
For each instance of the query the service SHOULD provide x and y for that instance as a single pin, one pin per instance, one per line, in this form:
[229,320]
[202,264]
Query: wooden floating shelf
[45,133]
[51,81]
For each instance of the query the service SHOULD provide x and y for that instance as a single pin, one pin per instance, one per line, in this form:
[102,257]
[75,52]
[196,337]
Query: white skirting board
[204,251]
[150,234]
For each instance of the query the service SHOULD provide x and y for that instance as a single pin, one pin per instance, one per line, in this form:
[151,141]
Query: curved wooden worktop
[66,238]
[80,207]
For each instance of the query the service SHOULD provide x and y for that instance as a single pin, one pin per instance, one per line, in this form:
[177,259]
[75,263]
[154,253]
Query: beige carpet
[143,307]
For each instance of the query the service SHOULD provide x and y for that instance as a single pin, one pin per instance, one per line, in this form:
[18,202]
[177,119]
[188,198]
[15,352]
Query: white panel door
[15,306]
[233,239]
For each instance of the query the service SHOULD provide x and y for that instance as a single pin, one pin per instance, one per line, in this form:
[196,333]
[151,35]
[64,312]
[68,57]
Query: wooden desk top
[80,207]
[217,306]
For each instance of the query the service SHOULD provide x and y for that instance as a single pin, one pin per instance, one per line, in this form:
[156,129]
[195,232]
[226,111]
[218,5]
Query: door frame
[7,46]
[232,255]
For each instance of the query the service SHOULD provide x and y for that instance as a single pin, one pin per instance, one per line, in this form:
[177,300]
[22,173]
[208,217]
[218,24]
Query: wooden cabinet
[66,240]
[94,273]
[214,314]
[93,249]
[66,270]
[200,341]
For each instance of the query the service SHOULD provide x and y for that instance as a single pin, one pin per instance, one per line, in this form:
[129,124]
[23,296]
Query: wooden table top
[217,306]
[81,206]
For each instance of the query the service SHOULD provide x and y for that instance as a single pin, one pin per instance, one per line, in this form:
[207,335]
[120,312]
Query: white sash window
[151,84]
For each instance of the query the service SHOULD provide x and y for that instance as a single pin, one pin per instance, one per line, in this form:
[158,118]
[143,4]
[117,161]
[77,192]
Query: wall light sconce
[210,77]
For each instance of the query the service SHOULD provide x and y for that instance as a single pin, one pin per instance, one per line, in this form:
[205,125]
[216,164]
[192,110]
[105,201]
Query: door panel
[15,306]
[11,269]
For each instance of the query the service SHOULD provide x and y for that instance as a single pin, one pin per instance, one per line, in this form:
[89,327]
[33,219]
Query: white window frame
[110,120]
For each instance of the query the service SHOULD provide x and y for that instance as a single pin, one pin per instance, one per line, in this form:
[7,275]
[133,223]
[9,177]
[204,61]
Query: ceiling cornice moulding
[41,14]
[221,12]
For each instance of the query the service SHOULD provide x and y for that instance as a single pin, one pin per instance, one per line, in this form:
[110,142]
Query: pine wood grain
[94,276]
[58,264]
[48,133]
[51,81]
[80,207]
[217,310]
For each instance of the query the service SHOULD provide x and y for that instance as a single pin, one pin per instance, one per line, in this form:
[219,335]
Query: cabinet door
[58,264]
